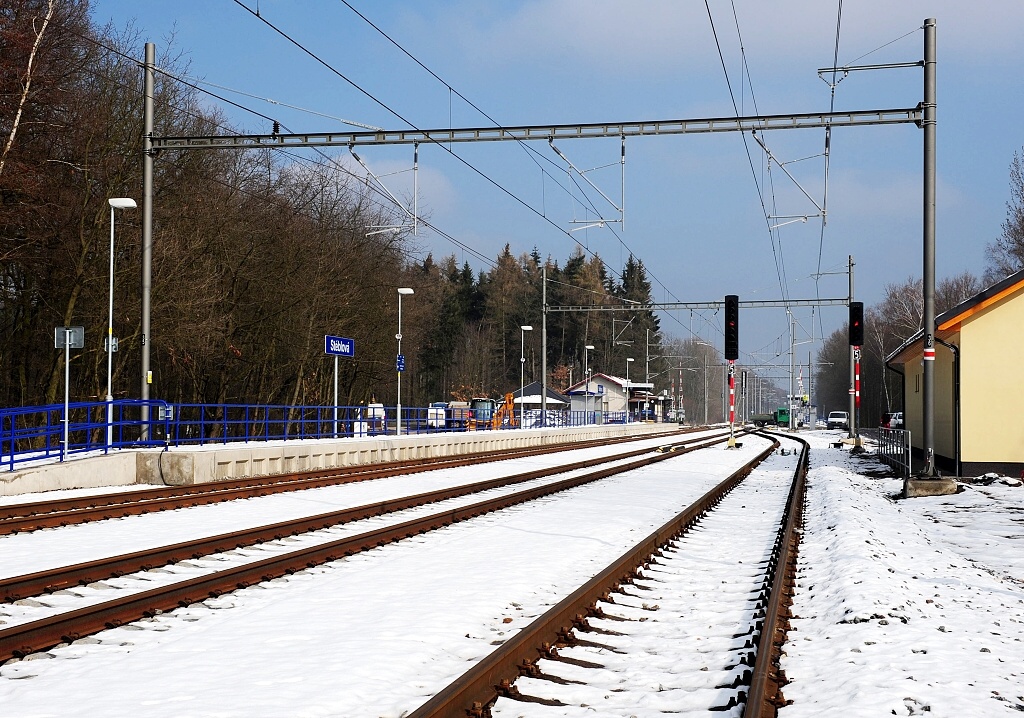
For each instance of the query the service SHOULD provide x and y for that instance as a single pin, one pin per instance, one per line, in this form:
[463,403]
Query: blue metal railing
[36,433]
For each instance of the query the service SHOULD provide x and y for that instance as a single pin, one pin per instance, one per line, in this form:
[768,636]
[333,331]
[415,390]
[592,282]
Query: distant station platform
[185,465]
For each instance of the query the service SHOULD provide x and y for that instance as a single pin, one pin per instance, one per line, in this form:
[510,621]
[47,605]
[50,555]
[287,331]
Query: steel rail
[474,692]
[16,518]
[767,679]
[34,584]
[24,639]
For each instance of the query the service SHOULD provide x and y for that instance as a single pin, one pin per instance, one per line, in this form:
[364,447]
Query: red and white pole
[732,392]
[732,402]
[856,378]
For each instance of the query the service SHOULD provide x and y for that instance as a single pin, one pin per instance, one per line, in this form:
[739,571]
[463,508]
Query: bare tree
[38,29]
[1006,254]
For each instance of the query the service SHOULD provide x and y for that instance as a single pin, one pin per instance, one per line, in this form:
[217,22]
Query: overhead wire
[333,162]
[526,146]
[779,264]
[452,90]
[828,157]
[413,125]
[531,152]
[772,233]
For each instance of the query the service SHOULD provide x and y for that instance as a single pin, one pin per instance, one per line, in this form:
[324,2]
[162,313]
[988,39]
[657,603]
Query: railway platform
[186,465]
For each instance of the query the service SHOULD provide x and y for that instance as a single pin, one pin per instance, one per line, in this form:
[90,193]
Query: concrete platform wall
[116,469]
[184,466]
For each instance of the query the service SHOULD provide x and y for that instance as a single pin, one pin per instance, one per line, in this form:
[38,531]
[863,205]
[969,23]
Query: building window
[917,383]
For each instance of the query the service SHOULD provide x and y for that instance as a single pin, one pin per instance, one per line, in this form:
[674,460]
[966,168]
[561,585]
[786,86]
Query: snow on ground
[67,545]
[906,607]
[687,622]
[372,635]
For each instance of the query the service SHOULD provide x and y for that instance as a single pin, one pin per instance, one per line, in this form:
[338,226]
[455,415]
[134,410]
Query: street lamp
[115,203]
[628,360]
[400,361]
[586,370]
[522,366]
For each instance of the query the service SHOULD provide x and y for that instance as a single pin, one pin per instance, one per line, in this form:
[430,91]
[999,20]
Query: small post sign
[339,346]
[67,338]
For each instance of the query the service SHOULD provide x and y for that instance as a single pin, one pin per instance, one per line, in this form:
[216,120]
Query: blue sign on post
[339,346]
[400,362]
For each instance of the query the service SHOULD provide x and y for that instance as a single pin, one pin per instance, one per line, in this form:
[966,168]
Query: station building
[617,397]
[979,385]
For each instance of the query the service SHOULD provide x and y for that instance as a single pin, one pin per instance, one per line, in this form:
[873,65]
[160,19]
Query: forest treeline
[258,254]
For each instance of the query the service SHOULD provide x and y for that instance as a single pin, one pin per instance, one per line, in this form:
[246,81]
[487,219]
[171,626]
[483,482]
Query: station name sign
[339,346]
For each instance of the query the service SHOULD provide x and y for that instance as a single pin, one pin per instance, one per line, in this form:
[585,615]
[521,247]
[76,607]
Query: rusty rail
[765,695]
[16,518]
[34,636]
[34,584]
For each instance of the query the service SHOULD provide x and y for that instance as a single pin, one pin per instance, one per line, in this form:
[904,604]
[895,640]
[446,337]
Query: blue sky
[693,212]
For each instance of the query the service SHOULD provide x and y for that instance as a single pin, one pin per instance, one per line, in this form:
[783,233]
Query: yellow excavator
[505,415]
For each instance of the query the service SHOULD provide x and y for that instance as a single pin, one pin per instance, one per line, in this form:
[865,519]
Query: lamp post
[586,370]
[522,367]
[400,361]
[115,203]
[628,360]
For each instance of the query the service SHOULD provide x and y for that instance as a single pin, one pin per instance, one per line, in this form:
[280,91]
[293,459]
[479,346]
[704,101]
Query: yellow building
[979,383]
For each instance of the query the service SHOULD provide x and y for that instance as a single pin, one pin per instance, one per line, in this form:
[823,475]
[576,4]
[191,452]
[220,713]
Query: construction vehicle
[482,411]
[779,417]
[459,415]
[505,415]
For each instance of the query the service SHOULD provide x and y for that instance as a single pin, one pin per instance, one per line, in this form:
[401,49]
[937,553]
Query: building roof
[532,394]
[608,379]
[949,321]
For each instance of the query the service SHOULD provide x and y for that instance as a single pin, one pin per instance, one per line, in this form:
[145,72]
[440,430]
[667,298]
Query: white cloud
[659,37]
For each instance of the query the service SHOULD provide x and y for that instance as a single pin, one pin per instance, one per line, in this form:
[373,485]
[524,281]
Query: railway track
[31,516]
[32,636]
[600,649]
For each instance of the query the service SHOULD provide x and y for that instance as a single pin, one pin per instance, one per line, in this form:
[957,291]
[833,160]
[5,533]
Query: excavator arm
[505,415]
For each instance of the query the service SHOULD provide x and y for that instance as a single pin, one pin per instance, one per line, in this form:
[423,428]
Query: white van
[838,420]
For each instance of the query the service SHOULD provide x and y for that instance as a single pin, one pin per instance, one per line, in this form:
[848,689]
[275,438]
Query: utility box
[436,415]
[376,419]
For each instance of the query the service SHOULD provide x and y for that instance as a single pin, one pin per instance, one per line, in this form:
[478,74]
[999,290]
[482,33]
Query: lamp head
[526,328]
[122,203]
[405,290]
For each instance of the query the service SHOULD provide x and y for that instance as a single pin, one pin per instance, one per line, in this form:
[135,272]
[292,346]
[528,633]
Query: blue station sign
[339,346]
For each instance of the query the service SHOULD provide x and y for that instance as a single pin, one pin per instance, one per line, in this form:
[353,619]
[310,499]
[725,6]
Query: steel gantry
[641,128]
[923,116]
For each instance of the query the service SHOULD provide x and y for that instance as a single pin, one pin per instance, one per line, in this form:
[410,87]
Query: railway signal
[856,324]
[732,327]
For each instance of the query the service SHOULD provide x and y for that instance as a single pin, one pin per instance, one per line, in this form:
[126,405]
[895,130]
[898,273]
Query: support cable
[397,114]
[828,155]
[332,161]
[750,160]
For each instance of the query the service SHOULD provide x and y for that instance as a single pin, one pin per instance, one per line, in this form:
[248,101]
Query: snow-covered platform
[195,465]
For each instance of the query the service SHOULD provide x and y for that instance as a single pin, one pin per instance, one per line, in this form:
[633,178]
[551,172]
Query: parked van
[893,420]
[838,420]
